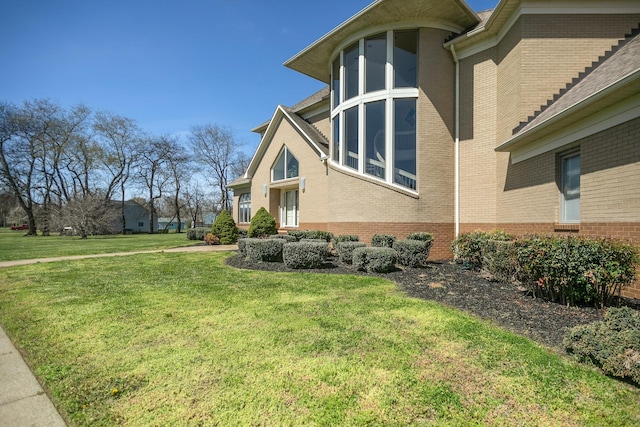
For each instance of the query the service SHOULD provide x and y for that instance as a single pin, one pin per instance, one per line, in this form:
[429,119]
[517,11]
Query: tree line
[75,167]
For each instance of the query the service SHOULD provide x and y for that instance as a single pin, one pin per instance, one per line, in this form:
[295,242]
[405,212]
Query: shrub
[575,270]
[287,238]
[242,233]
[263,224]
[412,253]
[311,234]
[345,238]
[612,344]
[224,228]
[345,250]
[375,259]
[382,240]
[268,250]
[421,235]
[467,247]
[310,254]
[197,233]
[242,246]
[499,260]
[210,239]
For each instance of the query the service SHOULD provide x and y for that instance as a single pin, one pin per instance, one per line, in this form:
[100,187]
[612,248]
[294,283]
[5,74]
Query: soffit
[314,60]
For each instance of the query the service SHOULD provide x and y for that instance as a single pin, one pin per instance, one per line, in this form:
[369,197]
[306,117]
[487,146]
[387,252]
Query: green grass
[14,245]
[182,339]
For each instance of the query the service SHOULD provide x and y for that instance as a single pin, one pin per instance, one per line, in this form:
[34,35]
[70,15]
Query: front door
[290,208]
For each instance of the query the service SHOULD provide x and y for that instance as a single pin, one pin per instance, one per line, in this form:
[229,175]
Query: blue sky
[168,64]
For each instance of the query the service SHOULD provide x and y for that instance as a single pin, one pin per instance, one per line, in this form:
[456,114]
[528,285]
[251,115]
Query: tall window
[244,208]
[375,88]
[285,167]
[570,186]
[289,217]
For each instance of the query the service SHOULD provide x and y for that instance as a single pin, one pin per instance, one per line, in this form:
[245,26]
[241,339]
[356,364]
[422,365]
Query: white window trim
[283,208]
[562,208]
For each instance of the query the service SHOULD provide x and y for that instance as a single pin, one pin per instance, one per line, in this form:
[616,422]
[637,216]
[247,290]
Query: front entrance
[289,214]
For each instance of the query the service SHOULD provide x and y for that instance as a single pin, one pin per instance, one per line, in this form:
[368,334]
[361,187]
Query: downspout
[457,142]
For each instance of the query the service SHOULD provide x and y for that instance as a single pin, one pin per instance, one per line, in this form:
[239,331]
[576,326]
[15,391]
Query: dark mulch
[504,304]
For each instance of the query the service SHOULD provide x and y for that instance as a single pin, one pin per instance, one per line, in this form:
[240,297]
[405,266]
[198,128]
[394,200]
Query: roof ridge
[581,76]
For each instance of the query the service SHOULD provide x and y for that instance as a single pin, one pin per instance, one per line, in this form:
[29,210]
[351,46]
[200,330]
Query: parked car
[20,227]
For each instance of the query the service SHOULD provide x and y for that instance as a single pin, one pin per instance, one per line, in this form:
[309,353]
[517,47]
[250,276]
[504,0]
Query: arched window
[244,208]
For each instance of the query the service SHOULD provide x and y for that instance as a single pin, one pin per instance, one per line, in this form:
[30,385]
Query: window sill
[566,228]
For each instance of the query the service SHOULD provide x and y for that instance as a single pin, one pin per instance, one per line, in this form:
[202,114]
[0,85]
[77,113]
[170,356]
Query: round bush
[383,240]
[345,250]
[421,235]
[263,224]
[264,250]
[375,259]
[412,253]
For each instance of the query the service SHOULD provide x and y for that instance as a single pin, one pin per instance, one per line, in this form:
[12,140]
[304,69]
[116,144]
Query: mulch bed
[449,284]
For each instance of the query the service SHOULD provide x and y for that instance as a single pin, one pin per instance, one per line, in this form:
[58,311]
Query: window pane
[351,137]
[571,188]
[336,138]
[292,165]
[278,168]
[404,140]
[335,82]
[375,134]
[375,53]
[351,71]
[291,208]
[405,58]
[244,208]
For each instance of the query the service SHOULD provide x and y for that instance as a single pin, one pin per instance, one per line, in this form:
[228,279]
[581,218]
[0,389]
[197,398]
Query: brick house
[438,118]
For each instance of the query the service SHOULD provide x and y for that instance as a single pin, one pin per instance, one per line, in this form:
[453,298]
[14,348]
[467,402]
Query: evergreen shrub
[382,240]
[197,233]
[612,344]
[287,238]
[224,228]
[423,236]
[467,248]
[375,259]
[345,250]
[311,234]
[304,255]
[412,253]
[263,224]
[263,250]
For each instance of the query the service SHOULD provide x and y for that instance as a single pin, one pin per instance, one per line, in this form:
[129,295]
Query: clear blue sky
[168,64]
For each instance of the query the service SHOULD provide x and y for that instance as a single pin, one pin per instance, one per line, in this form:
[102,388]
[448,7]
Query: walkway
[23,402]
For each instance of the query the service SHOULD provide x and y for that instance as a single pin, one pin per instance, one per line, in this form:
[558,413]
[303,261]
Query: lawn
[182,339]
[14,245]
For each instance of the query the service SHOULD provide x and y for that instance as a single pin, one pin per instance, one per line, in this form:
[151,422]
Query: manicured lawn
[14,245]
[182,339]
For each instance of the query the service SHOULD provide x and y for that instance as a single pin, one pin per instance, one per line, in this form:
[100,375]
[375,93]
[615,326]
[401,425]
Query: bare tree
[217,149]
[178,164]
[89,215]
[153,171]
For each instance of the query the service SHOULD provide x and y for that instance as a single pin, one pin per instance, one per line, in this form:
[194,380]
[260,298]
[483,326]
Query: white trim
[605,119]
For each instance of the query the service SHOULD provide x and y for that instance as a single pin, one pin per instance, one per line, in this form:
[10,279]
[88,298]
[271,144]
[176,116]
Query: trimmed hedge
[345,250]
[467,248]
[242,246]
[375,259]
[412,253]
[287,238]
[303,255]
[612,344]
[197,233]
[345,238]
[311,234]
[263,224]
[224,228]
[423,236]
[263,250]
[382,240]
[499,260]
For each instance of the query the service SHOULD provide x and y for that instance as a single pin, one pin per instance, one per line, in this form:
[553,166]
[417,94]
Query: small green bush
[345,250]
[242,246]
[382,240]
[197,233]
[224,228]
[467,247]
[412,253]
[264,250]
[287,238]
[375,259]
[575,270]
[263,224]
[499,260]
[304,255]
[345,238]
[423,236]
[242,233]
[311,234]
[612,344]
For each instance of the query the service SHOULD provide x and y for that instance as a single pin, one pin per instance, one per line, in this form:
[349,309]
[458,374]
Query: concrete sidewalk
[23,402]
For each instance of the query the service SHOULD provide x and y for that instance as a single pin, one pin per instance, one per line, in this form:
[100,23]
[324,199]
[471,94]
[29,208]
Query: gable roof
[612,81]
[311,135]
[454,15]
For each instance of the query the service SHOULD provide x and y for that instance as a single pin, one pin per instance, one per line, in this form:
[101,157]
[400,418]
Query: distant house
[168,223]
[209,218]
[136,217]
[438,118]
